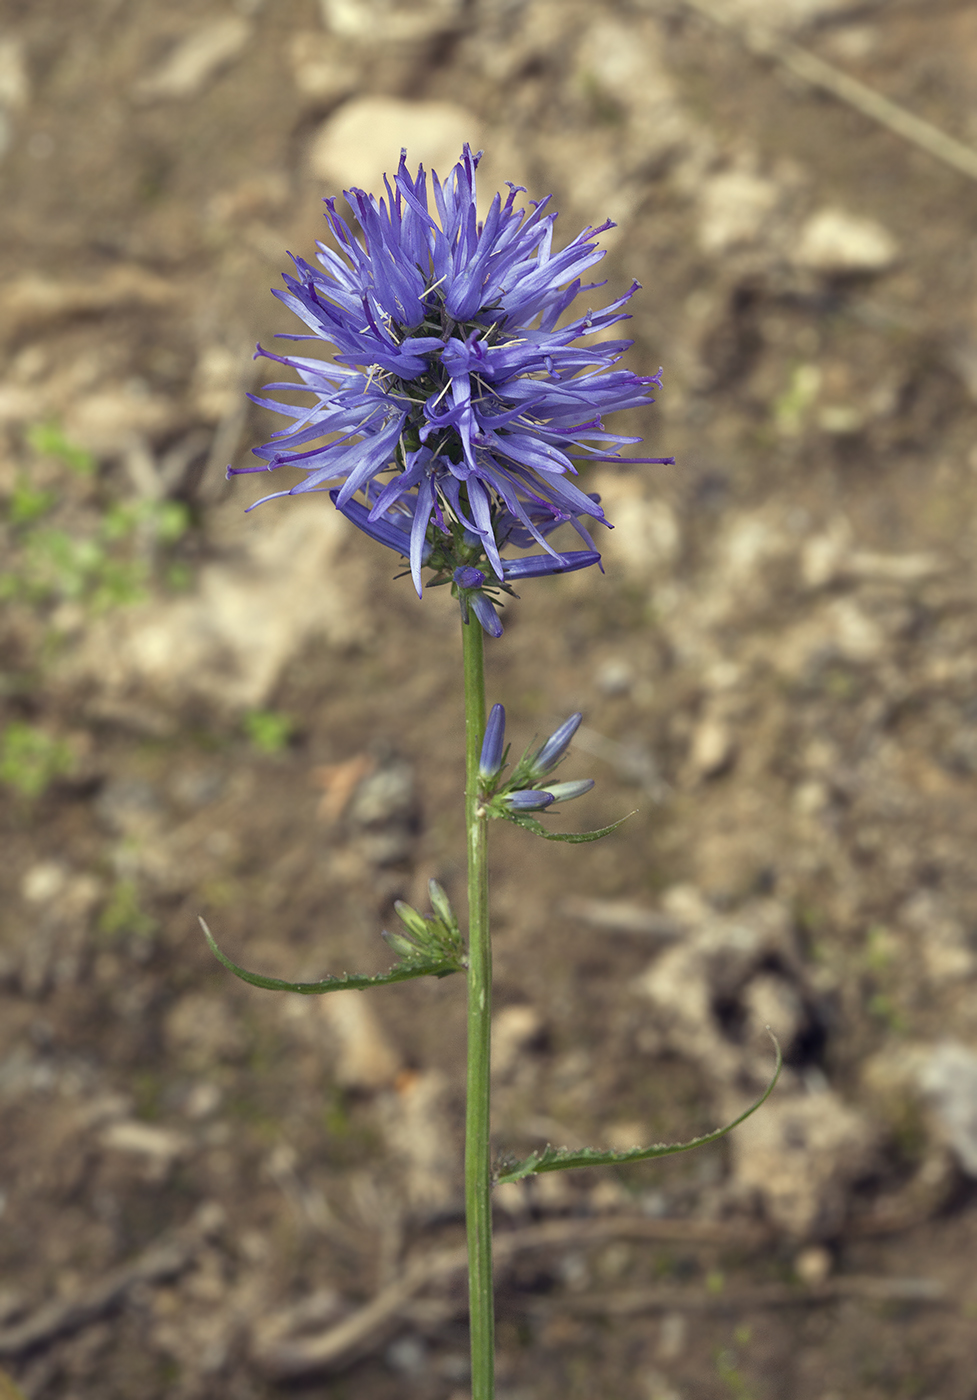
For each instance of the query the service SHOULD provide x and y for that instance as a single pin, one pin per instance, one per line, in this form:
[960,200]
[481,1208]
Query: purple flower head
[456,400]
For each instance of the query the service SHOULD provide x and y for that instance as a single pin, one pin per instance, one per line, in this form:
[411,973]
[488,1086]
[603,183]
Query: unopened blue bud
[566,792]
[484,610]
[556,746]
[491,759]
[528,800]
[468,577]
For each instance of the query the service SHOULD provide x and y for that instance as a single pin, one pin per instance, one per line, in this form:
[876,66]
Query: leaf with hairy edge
[420,967]
[556,1159]
[573,837]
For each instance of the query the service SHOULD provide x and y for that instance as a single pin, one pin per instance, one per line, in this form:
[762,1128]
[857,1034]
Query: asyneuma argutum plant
[451,413]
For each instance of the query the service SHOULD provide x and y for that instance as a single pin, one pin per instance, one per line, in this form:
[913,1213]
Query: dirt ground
[249,717]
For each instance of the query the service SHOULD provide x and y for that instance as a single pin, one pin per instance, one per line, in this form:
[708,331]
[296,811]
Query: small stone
[948,1080]
[614,677]
[514,1029]
[813,1265]
[15,85]
[194,61]
[735,207]
[361,142]
[801,1156]
[366,1061]
[43,882]
[392,21]
[145,1140]
[204,1029]
[672,1334]
[836,243]
[713,748]
[421,1137]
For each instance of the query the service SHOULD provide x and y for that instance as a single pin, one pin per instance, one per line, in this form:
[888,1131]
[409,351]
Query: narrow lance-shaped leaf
[572,837]
[555,1159]
[435,949]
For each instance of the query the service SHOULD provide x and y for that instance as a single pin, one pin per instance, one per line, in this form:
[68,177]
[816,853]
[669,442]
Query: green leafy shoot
[268,730]
[26,504]
[432,947]
[123,913]
[30,759]
[48,440]
[555,1159]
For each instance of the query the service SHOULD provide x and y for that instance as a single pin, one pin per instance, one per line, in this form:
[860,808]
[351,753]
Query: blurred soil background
[203,1185]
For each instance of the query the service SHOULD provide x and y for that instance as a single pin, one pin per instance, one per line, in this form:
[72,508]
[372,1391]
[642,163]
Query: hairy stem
[478,1184]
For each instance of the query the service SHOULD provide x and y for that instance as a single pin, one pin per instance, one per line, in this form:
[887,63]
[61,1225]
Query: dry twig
[282,1357]
[765,43]
[774,1295]
[161,1261]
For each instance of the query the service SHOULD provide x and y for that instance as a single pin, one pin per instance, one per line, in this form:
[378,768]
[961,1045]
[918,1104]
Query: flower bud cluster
[528,787]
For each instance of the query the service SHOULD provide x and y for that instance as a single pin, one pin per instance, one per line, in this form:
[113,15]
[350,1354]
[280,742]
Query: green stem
[478,1180]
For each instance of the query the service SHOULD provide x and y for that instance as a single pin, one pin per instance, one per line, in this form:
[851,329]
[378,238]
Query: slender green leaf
[574,838]
[555,1159]
[403,972]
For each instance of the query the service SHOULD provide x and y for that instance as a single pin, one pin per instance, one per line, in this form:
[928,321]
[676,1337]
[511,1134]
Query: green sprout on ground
[123,913]
[31,759]
[268,730]
[109,565]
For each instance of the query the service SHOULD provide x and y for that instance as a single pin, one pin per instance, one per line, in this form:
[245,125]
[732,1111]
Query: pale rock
[771,1001]
[948,1080]
[813,1265]
[734,209]
[390,21]
[614,677]
[140,1139]
[219,382]
[646,538]
[823,557]
[672,1336]
[362,141]
[421,1137]
[512,1197]
[514,1029]
[750,542]
[944,948]
[34,301]
[713,747]
[837,243]
[43,882]
[228,641]
[800,1156]
[196,60]
[204,1029]
[622,62]
[841,420]
[715,965]
[830,557]
[108,422]
[655,1385]
[321,72]
[687,905]
[15,86]
[841,630]
[366,1059]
